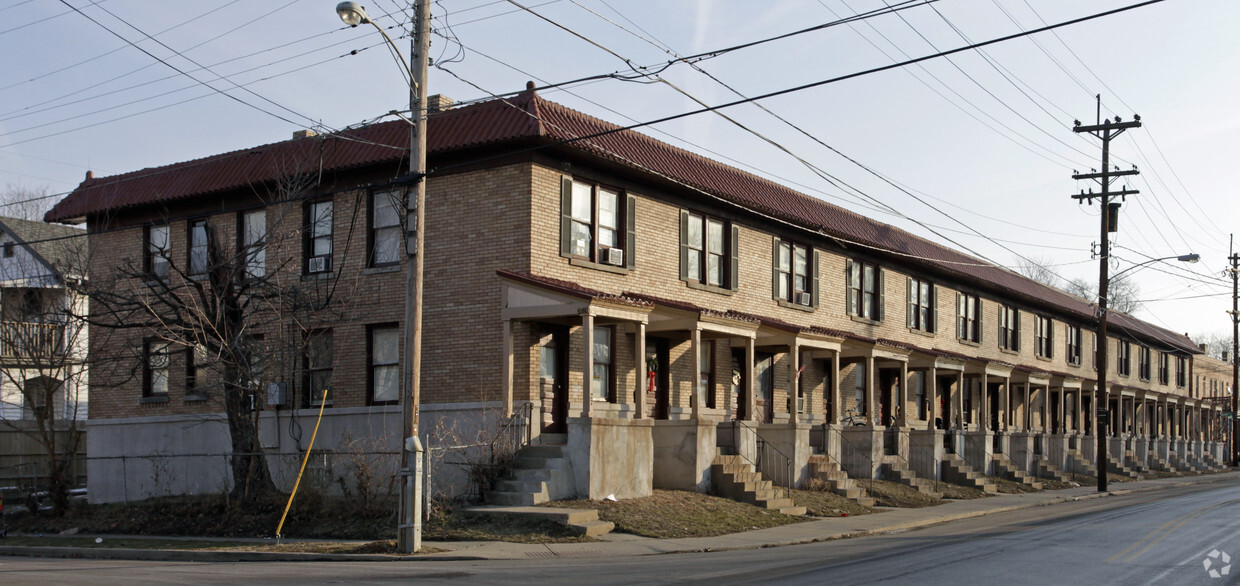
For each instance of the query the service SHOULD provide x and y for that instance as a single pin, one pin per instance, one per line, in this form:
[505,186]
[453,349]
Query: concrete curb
[639,547]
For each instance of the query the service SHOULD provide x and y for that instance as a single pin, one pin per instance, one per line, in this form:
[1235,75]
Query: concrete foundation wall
[611,457]
[683,453]
[791,440]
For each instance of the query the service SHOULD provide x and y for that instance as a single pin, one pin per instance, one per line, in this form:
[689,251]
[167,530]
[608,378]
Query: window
[859,393]
[197,371]
[254,243]
[968,318]
[1164,362]
[9,249]
[1043,336]
[155,379]
[919,394]
[317,368]
[199,247]
[602,383]
[865,290]
[158,251]
[1123,358]
[384,351]
[596,224]
[1009,328]
[1143,363]
[1074,345]
[385,233]
[318,237]
[921,310]
[1181,371]
[793,273]
[706,378]
[708,251]
[1095,338]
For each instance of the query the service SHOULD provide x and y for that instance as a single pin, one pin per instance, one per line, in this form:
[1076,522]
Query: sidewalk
[618,545]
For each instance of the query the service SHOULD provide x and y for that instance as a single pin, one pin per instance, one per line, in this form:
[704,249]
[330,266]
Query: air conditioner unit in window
[614,256]
[804,298]
[800,404]
[318,264]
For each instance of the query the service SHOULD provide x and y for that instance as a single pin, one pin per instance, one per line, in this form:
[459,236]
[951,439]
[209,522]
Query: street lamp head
[1189,258]
[352,13]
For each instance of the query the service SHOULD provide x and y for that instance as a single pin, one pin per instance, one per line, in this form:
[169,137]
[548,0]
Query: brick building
[647,308]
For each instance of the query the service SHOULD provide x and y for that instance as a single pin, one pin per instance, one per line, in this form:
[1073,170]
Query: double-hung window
[318,241]
[601,384]
[596,224]
[793,273]
[1164,363]
[254,243]
[199,247]
[864,291]
[1123,357]
[384,351]
[921,309]
[1043,336]
[708,251]
[968,318]
[1074,345]
[155,373]
[197,370]
[385,212]
[158,255]
[1143,363]
[1009,328]
[1181,371]
[317,368]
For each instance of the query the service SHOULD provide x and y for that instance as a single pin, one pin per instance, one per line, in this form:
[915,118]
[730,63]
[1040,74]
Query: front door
[658,378]
[555,380]
[992,392]
[888,380]
[764,377]
[739,401]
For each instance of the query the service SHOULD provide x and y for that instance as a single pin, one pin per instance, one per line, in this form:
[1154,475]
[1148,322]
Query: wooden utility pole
[1104,130]
[1235,347]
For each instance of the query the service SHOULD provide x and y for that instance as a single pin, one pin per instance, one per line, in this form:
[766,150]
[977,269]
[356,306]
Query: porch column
[639,359]
[1005,404]
[1062,409]
[983,404]
[902,394]
[695,348]
[751,402]
[507,367]
[587,373]
[1026,415]
[1045,425]
[957,400]
[835,389]
[932,397]
[794,380]
[871,398]
[1078,421]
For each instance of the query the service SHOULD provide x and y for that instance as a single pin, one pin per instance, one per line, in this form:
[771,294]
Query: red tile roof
[571,289]
[528,120]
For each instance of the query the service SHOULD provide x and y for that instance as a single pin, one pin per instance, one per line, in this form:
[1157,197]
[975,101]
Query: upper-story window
[922,313]
[864,290]
[1181,371]
[1143,363]
[199,247]
[968,317]
[1074,345]
[158,254]
[793,275]
[385,210]
[155,371]
[383,348]
[253,243]
[1009,328]
[317,357]
[1164,368]
[1123,357]
[1043,336]
[318,241]
[597,223]
[708,251]
[9,249]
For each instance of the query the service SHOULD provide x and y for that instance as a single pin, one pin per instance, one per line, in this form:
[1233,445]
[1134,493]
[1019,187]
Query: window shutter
[630,237]
[1016,330]
[684,245]
[912,308]
[734,254]
[961,308]
[934,310]
[813,275]
[775,268]
[850,302]
[879,298]
[566,216]
[981,331]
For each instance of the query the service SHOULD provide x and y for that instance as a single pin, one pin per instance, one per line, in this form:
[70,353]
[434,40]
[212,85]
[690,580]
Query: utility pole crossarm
[1091,195]
[1105,174]
[1108,126]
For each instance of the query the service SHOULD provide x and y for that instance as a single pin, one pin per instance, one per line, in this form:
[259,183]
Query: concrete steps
[1044,469]
[1159,464]
[1130,459]
[957,471]
[579,521]
[900,472]
[736,479]
[1004,468]
[1080,463]
[827,470]
[541,474]
[1114,466]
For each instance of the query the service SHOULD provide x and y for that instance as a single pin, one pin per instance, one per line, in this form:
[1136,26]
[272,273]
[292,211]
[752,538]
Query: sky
[974,150]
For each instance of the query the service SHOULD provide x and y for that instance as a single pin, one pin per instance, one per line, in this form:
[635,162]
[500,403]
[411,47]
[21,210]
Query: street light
[1101,343]
[409,528]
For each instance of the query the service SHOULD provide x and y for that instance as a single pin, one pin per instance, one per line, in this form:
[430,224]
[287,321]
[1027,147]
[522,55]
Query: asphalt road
[1158,537]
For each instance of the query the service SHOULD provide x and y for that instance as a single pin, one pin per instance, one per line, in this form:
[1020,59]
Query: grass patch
[957,492]
[823,503]
[675,513]
[448,524]
[1006,486]
[894,494]
[328,547]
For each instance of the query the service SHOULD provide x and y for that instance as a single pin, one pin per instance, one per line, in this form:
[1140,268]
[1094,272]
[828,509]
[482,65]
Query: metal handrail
[1063,459]
[513,434]
[920,456]
[771,463]
[854,456]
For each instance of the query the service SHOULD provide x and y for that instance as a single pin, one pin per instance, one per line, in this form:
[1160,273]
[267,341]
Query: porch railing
[771,463]
[921,461]
[31,340]
[1056,454]
[514,433]
[852,460]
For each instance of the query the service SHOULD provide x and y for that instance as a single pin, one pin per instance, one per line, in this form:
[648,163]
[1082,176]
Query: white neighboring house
[40,266]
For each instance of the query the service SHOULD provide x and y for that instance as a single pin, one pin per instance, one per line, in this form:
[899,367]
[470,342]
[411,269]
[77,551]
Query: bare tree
[1217,343]
[1124,294]
[26,203]
[1037,268]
